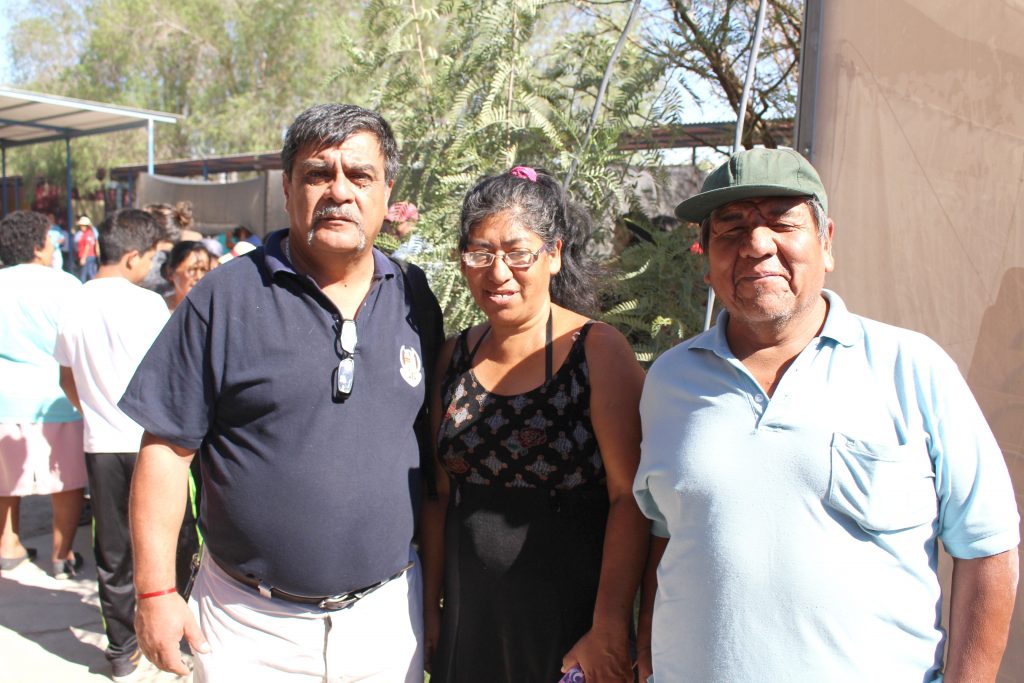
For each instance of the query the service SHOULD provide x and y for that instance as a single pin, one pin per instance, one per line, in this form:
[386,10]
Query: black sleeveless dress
[525,524]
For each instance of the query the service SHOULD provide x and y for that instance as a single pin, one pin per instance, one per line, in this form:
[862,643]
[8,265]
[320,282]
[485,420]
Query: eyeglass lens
[347,336]
[346,375]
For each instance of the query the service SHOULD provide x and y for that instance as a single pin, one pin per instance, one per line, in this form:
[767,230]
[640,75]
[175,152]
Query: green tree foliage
[472,89]
[657,296]
[237,70]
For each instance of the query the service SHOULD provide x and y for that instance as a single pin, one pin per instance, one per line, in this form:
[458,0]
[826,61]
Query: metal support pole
[149,157]
[807,93]
[3,162]
[67,157]
[748,85]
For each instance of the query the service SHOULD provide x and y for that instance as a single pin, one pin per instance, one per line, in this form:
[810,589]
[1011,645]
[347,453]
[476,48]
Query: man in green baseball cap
[796,459]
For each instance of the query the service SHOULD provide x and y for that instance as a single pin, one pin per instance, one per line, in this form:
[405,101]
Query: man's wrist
[156,593]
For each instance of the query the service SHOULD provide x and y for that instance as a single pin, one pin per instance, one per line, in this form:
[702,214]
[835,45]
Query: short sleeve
[978,514]
[171,394]
[65,322]
[644,499]
[60,348]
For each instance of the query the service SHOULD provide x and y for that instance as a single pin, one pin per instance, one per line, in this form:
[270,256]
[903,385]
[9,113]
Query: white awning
[28,118]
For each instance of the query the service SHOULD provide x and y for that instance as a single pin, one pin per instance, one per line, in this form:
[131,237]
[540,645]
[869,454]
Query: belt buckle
[337,602]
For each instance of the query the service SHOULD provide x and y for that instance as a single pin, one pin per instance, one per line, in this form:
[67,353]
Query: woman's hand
[431,634]
[603,654]
[644,665]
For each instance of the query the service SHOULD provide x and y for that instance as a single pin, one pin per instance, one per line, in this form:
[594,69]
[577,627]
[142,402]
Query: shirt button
[759,398]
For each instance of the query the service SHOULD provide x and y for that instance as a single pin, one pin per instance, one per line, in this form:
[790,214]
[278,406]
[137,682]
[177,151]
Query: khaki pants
[252,639]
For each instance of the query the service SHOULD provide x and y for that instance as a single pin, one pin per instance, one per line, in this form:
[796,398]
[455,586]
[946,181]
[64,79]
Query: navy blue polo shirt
[314,495]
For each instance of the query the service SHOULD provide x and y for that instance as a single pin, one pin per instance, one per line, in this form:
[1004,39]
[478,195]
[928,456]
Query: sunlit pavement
[50,630]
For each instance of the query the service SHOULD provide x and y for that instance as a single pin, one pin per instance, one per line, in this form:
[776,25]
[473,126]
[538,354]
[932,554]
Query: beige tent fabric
[919,138]
[257,203]
[276,215]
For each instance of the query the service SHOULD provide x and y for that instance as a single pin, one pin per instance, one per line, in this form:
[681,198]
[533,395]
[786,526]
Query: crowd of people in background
[519,503]
[69,349]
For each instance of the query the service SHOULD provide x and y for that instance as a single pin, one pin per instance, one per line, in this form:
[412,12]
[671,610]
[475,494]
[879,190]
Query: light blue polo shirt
[802,527]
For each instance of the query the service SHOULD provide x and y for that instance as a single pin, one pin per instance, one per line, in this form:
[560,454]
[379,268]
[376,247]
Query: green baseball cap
[752,173]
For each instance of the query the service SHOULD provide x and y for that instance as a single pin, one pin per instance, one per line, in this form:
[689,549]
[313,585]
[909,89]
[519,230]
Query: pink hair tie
[524,172]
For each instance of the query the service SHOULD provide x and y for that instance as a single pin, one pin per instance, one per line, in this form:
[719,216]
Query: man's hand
[160,623]
[603,654]
[156,507]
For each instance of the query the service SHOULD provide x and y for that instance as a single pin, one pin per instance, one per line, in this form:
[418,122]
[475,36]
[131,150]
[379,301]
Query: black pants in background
[110,478]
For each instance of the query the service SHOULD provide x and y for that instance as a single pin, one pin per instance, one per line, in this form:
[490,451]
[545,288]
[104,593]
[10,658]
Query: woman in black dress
[534,536]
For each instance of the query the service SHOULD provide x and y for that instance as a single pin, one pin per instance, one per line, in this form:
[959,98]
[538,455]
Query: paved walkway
[50,631]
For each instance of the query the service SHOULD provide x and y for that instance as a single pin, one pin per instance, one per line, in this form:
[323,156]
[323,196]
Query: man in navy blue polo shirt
[296,373]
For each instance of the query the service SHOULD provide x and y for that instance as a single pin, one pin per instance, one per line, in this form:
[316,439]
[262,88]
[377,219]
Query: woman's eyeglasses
[194,271]
[520,258]
[346,375]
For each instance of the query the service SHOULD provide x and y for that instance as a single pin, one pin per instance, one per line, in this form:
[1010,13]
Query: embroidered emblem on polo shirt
[411,367]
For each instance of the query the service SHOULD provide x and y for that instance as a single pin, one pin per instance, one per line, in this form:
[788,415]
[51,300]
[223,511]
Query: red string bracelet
[156,594]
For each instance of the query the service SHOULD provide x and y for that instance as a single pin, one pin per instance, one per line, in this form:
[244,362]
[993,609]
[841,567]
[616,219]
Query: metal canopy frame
[204,166]
[31,118]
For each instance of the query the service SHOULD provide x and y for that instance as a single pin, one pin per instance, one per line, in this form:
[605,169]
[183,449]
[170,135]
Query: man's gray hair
[817,212]
[327,125]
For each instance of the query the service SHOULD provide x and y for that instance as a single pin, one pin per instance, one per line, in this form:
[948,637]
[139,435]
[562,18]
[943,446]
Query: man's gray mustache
[332,212]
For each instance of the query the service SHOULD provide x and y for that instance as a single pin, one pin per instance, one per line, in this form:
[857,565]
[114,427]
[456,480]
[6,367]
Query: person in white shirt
[102,338]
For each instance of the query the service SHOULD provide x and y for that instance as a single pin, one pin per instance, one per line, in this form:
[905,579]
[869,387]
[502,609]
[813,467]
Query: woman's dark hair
[545,209]
[179,254]
[171,219]
[21,233]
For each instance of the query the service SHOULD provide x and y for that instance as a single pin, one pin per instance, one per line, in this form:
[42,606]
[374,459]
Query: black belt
[327,602]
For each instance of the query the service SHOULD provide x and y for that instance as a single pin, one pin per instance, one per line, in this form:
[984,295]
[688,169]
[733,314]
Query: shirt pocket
[882,487]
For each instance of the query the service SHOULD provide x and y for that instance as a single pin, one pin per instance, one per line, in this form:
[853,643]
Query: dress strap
[549,353]
[476,347]
[456,365]
[580,338]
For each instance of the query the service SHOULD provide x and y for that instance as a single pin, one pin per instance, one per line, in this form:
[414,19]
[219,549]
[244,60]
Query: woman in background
[186,265]
[534,534]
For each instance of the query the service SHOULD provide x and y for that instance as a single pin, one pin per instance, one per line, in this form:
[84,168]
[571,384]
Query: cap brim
[698,207]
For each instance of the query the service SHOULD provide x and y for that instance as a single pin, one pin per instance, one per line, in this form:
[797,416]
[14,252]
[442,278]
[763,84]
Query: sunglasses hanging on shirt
[346,374]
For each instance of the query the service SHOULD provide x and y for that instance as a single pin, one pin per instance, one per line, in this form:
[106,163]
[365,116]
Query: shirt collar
[840,326]
[714,339]
[277,261]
